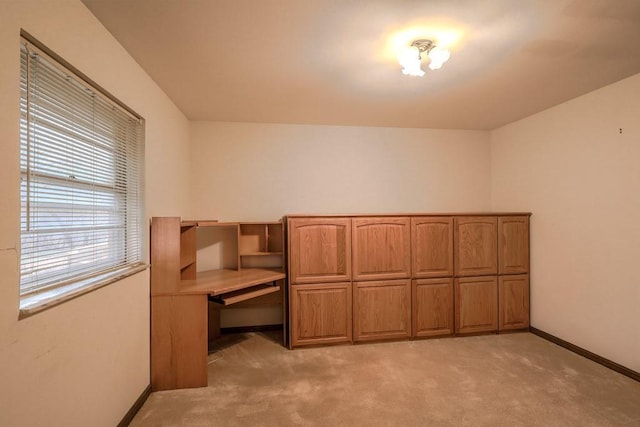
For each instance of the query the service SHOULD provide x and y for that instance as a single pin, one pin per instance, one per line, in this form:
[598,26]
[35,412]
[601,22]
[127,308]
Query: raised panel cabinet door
[319,250]
[432,301]
[381,248]
[321,314]
[513,244]
[513,302]
[432,247]
[382,310]
[476,307]
[475,245]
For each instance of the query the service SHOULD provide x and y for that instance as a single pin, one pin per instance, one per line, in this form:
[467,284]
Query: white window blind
[81,158]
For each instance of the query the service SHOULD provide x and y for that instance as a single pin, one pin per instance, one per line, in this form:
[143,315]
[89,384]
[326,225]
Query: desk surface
[217,282]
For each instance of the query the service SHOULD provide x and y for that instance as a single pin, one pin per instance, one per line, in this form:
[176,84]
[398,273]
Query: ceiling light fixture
[411,58]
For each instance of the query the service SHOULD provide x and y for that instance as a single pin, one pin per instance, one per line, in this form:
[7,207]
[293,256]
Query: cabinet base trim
[586,353]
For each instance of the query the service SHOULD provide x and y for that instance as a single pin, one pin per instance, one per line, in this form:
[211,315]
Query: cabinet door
[319,250]
[432,301]
[475,241]
[476,304]
[513,244]
[320,314]
[381,248]
[382,310]
[513,302]
[432,247]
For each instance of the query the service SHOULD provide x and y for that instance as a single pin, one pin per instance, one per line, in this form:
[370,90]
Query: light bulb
[410,60]
[438,57]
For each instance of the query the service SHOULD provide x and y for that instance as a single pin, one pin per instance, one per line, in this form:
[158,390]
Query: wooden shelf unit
[251,265]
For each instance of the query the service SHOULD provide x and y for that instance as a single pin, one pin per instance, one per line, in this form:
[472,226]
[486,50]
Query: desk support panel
[178,342]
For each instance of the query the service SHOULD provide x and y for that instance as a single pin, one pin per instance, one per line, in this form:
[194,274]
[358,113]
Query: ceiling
[334,61]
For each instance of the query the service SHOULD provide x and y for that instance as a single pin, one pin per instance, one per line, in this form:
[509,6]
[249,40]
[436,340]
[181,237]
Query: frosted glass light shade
[410,61]
[438,57]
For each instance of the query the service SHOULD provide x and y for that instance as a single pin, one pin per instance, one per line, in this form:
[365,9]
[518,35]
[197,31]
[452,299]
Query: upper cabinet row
[383,248]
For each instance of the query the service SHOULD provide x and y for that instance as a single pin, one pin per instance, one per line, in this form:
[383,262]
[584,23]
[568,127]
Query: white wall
[580,176]
[85,362]
[248,171]
[260,172]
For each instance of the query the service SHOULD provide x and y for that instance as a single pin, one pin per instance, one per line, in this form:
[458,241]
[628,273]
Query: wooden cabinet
[488,245]
[382,310]
[381,252]
[381,248]
[475,242]
[476,304]
[513,244]
[432,307]
[432,266]
[432,247]
[513,262]
[513,302]
[319,255]
[420,275]
[321,313]
[319,250]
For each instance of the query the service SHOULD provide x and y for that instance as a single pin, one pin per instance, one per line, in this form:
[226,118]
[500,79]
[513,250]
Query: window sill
[36,303]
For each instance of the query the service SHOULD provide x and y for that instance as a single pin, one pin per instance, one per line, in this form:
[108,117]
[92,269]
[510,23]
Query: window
[81,157]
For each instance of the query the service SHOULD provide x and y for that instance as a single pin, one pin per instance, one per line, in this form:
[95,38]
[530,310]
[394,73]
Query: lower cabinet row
[395,309]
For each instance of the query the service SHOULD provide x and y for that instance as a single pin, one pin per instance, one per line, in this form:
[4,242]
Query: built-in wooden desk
[179,293]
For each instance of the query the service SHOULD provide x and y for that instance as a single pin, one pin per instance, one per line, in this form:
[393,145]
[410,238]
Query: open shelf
[187,245]
[260,245]
[260,237]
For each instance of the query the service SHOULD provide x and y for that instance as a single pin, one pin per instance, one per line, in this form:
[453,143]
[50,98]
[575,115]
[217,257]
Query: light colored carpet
[491,380]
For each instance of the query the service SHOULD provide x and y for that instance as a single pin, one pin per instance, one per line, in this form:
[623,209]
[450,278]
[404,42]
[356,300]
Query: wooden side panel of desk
[165,255]
[178,342]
